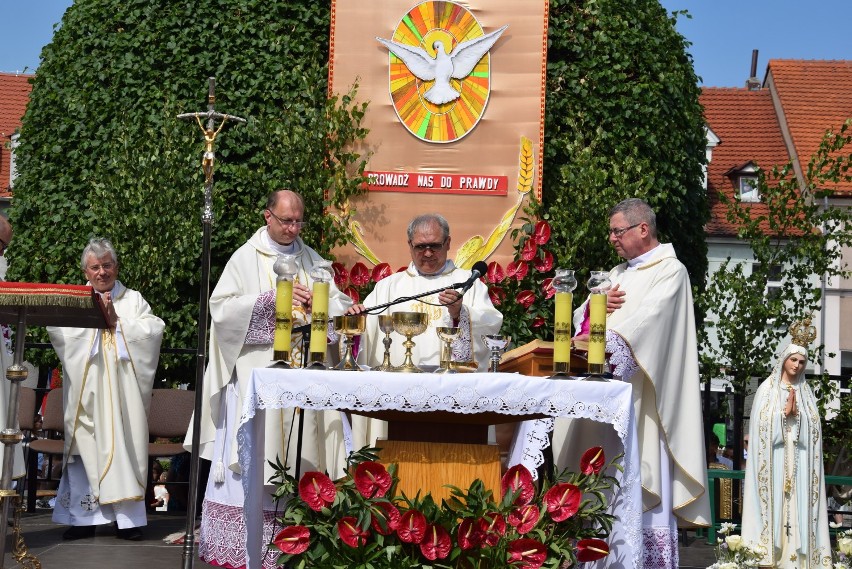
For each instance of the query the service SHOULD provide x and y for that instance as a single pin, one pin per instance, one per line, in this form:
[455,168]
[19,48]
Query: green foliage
[102,152]
[623,120]
[796,239]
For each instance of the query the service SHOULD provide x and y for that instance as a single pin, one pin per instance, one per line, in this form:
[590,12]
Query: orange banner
[456,118]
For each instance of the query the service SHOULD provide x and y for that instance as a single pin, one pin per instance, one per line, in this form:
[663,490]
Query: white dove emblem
[457,64]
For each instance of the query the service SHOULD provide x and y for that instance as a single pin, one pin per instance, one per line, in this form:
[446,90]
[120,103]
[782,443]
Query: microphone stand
[381,307]
[305,329]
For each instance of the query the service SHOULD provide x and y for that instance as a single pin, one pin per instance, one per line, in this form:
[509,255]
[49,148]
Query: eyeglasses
[422,247]
[617,233]
[105,266]
[288,222]
[3,246]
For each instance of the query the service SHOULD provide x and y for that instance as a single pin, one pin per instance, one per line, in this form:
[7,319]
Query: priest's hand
[355,309]
[791,408]
[109,310]
[614,299]
[302,296]
[452,299]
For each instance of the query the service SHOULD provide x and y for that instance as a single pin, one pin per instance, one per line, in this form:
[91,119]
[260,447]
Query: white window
[748,189]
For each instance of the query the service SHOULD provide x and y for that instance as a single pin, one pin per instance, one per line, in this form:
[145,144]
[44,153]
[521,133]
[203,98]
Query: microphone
[479,269]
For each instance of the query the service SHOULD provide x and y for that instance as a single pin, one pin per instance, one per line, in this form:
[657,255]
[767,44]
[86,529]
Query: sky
[723,33]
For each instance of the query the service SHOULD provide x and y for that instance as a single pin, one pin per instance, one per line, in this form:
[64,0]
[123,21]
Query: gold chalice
[409,324]
[386,326]
[447,335]
[349,325]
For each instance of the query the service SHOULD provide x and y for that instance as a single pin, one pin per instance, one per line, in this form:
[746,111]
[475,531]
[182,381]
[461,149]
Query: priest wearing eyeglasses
[472,311]
[242,310]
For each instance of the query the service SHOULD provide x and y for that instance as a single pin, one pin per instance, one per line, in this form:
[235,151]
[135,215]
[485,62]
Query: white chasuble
[107,378]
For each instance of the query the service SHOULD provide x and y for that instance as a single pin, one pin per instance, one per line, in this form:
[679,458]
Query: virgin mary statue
[784,504]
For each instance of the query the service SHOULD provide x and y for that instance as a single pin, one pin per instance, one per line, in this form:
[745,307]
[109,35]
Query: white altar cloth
[607,403]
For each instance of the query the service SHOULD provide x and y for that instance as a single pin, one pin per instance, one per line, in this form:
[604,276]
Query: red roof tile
[749,131]
[815,96]
[14,96]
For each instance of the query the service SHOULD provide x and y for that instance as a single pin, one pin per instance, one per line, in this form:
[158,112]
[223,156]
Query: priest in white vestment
[651,336]
[472,311]
[6,359]
[242,310]
[784,501]
[107,376]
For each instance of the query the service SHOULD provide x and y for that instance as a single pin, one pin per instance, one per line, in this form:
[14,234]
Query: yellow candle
[319,317]
[562,328]
[283,317]
[597,332]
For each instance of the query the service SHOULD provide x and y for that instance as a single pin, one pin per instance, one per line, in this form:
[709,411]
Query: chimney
[753,83]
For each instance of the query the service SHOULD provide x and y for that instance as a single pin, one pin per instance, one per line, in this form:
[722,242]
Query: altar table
[604,403]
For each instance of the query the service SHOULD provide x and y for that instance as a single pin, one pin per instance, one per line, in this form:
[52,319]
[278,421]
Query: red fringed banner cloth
[51,305]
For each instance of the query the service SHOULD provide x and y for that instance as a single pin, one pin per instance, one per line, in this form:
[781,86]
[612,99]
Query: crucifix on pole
[211,131]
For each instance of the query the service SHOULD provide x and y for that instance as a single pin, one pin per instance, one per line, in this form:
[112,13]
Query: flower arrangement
[843,553]
[359,521]
[733,552]
[358,281]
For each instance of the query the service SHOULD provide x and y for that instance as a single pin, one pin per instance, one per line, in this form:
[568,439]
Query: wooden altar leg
[427,466]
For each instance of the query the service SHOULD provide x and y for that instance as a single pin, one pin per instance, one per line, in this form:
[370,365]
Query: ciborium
[497,344]
[447,335]
[349,326]
[386,326]
[409,324]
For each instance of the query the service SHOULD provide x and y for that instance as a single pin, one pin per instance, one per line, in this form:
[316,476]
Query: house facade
[770,123]
[14,95]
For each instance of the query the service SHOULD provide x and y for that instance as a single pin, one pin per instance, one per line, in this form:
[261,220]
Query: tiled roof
[815,96]
[14,95]
[749,131]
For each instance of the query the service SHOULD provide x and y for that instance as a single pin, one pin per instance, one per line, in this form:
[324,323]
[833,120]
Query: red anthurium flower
[372,479]
[317,490]
[592,461]
[517,269]
[380,271]
[497,295]
[471,533]
[541,233]
[495,273]
[385,518]
[359,275]
[547,288]
[341,275]
[412,527]
[495,528]
[352,293]
[543,262]
[525,298]
[436,544]
[293,540]
[350,533]
[524,518]
[527,553]
[563,501]
[538,322]
[529,250]
[591,550]
[518,478]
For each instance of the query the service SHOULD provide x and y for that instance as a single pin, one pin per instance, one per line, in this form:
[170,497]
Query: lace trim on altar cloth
[262,324]
[222,540]
[621,361]
[660,548]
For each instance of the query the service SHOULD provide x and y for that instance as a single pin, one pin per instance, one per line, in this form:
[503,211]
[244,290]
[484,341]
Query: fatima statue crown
[802,332]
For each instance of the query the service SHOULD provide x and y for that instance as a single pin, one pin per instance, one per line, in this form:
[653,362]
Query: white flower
[729,565]
[727,528]
[844,545]
[735,542]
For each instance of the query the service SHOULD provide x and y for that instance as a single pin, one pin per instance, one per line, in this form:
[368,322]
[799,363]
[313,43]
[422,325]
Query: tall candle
[562,332]
[319,319]
[283,319]
[597,332]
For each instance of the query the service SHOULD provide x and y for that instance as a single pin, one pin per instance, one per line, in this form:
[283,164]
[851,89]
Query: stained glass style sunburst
[422,26]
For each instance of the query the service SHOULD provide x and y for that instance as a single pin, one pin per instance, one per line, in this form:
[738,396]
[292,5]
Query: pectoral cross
[787,526]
